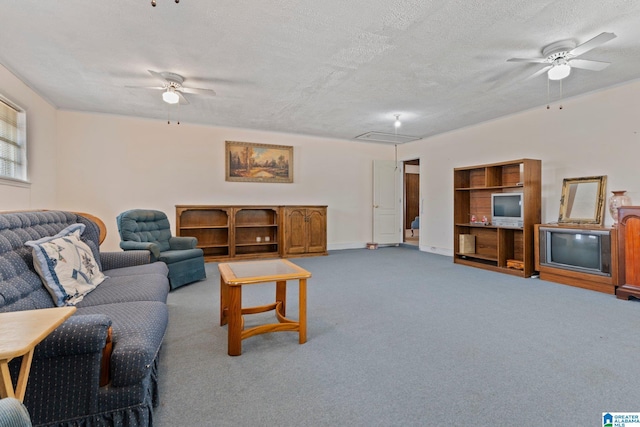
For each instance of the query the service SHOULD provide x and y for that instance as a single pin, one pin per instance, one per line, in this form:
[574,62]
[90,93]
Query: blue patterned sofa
[129,305]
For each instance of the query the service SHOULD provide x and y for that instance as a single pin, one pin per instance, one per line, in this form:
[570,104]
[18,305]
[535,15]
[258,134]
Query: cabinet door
[295,231]
[316,230]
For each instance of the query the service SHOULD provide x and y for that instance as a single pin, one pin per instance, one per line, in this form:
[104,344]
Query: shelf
[486,258]
[497,187]
[256,225]
[204,227]
[491,226]
[256,244]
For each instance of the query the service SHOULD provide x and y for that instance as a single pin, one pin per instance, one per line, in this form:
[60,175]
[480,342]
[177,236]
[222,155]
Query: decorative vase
[617,200]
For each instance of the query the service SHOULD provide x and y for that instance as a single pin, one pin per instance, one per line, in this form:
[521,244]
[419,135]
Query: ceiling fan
[561,56]
[173,89]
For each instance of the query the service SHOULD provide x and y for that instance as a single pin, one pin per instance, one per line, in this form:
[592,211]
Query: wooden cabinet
[507,249]
[226,232]
[304,230]
[628,252]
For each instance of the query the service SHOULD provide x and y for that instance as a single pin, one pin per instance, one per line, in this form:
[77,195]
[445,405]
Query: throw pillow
[66,265]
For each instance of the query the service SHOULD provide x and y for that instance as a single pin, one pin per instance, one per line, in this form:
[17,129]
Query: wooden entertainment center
[588,280]
[506,249]
[230,231]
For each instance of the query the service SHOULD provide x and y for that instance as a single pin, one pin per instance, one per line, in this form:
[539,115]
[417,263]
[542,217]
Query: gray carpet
[399,337]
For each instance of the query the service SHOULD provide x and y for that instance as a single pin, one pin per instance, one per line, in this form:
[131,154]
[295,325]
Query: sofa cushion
[66,265]
[117,289]
[135,270]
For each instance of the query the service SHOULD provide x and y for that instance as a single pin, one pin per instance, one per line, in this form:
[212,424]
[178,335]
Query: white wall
[595,134]
[108,164]
[41,130]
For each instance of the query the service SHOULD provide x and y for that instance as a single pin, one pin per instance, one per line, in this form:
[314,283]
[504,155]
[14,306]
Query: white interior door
[387,202]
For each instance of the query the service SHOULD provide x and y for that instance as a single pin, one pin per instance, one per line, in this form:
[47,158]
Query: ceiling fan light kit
[560,70]
[170,96]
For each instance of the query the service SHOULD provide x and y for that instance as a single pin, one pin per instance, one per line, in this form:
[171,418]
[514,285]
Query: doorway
[411,208]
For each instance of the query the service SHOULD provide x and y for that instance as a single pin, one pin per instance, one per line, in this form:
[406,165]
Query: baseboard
[358,245]
[438,251]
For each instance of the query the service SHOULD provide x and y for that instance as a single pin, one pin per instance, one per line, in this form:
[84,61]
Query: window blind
[12,147]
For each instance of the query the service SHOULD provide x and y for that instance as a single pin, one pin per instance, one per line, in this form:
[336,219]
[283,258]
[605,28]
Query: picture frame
[583,200]
[253,162]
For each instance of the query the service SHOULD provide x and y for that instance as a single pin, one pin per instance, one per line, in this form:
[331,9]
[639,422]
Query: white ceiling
[329,68]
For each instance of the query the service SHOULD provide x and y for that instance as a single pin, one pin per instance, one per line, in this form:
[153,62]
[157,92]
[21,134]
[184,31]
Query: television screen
[506,205]
[580,250]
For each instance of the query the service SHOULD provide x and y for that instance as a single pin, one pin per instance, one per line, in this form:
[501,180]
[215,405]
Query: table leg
[224,302]
[281,295]
[303,311]
[6,386]
[234,344]
[23,376]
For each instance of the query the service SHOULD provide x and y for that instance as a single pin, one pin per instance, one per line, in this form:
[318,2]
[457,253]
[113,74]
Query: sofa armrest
[80,334]
[145,246]
[111,260]
[182,242]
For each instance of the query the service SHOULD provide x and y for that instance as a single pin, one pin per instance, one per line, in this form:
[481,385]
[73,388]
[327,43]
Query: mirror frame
[599,203]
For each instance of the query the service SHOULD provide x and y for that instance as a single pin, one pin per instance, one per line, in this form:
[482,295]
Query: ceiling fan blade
[587,64]
[593,43]
[158,76]
[147,87]
[183,100]
[197,91]
[539,72]
[536,60]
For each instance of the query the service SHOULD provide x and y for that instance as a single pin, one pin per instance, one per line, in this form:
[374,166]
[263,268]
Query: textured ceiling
[330,68]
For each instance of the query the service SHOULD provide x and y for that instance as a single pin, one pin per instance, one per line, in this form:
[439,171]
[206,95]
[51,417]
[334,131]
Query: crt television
[507,209]
[581,250]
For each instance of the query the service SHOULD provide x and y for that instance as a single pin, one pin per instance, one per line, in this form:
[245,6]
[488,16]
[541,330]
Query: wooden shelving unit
[256,231]
[227,232]
[210,225]
[497,246]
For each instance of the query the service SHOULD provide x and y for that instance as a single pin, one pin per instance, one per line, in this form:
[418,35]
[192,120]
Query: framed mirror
[583,200]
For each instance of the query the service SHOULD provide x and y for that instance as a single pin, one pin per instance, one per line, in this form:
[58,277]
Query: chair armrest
[111,260]
[182,242]
[146,246]
[80,334]
[13,413]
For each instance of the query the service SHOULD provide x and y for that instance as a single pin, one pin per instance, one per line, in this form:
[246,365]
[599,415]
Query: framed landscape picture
[251,162]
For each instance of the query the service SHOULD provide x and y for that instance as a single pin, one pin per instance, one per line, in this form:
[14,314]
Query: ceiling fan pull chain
[560,108]
[548,102]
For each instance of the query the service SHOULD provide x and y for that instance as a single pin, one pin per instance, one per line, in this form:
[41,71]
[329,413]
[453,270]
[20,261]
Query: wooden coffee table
[236,274]
[20,332]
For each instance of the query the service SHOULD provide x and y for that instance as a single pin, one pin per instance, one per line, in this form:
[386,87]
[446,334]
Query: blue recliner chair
[150,230]
[415,224]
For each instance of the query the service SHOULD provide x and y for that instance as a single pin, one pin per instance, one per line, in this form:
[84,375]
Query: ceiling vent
[389,138]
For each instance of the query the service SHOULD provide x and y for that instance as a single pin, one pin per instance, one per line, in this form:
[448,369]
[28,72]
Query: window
[13,142]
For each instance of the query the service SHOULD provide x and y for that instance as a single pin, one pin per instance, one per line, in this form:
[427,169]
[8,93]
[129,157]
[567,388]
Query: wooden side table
[236,274]
[20,332]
